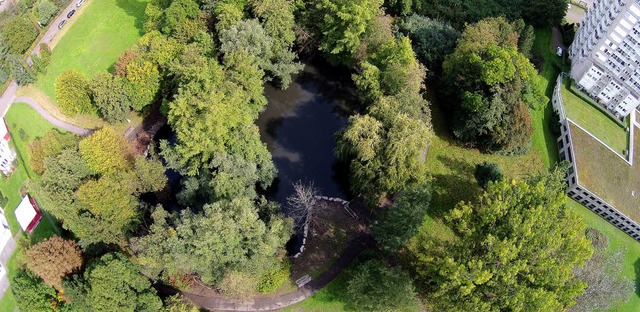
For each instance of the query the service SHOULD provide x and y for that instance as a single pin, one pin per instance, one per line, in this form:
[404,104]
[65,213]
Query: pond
[299,126]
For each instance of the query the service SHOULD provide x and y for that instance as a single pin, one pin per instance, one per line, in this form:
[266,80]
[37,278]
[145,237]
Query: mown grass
[95,40]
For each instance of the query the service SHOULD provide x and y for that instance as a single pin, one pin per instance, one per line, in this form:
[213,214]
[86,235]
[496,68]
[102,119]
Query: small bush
[274,278]
[3,200]
[23,135]
[599,240]
[487,172]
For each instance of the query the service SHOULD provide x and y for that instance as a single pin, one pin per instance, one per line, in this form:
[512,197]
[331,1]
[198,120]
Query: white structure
[605,54]
[7,246]
[28,214]
[7,155]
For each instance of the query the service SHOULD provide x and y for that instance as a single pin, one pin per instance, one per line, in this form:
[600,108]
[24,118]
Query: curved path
[219,303]
[54,121]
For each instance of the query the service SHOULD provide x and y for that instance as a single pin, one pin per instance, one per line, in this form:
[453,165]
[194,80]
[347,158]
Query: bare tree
[605,286]
[303,203]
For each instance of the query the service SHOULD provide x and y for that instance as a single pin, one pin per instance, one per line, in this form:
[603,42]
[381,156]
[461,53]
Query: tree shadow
[450,189]
[636,267]
[136,9]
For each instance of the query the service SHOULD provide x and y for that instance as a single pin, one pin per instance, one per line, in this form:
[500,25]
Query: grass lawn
[543,140]
[93,43]
[617,239]
[594,121]
[8,302]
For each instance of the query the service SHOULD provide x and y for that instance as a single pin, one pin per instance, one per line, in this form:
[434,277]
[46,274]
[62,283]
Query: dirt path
[219,303]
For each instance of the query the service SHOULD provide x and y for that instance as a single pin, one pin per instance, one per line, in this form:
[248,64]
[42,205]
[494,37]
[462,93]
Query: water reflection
[299,126]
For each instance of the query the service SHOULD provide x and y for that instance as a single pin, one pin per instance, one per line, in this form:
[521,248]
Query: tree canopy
[53,259]
[377,287]
[113,283]
[493,86]
[515,249]
[226,236]
[72,93]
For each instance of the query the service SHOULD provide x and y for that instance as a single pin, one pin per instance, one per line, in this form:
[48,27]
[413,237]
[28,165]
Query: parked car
[62,24]
[559,51]
[79,3]
[70,14]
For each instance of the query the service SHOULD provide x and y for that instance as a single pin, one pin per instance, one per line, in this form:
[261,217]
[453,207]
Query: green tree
[64,173]
[51,144]
[515,249]
[105,151]
[494,86]
[545,12]
[19,34]
[108,200]
[340,25]
[45,10]
[399,223]
[110,97]
[487,172]
[31,293]
[177,303]
[385,156]
[376,287]
[432,40]
[53,259]
[249,35]
[19,70]
[143,84]
[72,93]
[113,283]
[236,240]
[150,175]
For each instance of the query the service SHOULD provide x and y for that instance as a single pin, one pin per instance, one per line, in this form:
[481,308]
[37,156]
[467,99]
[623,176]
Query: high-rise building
[605,54]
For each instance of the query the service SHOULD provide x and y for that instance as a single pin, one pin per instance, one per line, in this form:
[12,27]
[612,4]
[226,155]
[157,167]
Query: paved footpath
[52,120]
[219,303]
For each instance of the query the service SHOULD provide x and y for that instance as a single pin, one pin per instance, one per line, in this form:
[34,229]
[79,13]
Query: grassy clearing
[544,141]
[594,121]
[96,39]
[8,302]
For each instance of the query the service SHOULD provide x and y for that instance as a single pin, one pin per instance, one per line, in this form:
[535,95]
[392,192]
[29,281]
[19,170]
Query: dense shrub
[487,172]
[274,278]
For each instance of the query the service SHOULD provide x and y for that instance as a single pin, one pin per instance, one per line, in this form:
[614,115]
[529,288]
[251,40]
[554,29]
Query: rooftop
[594,120]
[606,174]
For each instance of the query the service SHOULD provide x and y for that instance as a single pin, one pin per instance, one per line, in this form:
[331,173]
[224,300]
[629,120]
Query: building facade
[7,155]
[605,55]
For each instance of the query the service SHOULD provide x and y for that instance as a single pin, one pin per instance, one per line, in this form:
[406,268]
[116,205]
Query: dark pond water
[299,126]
